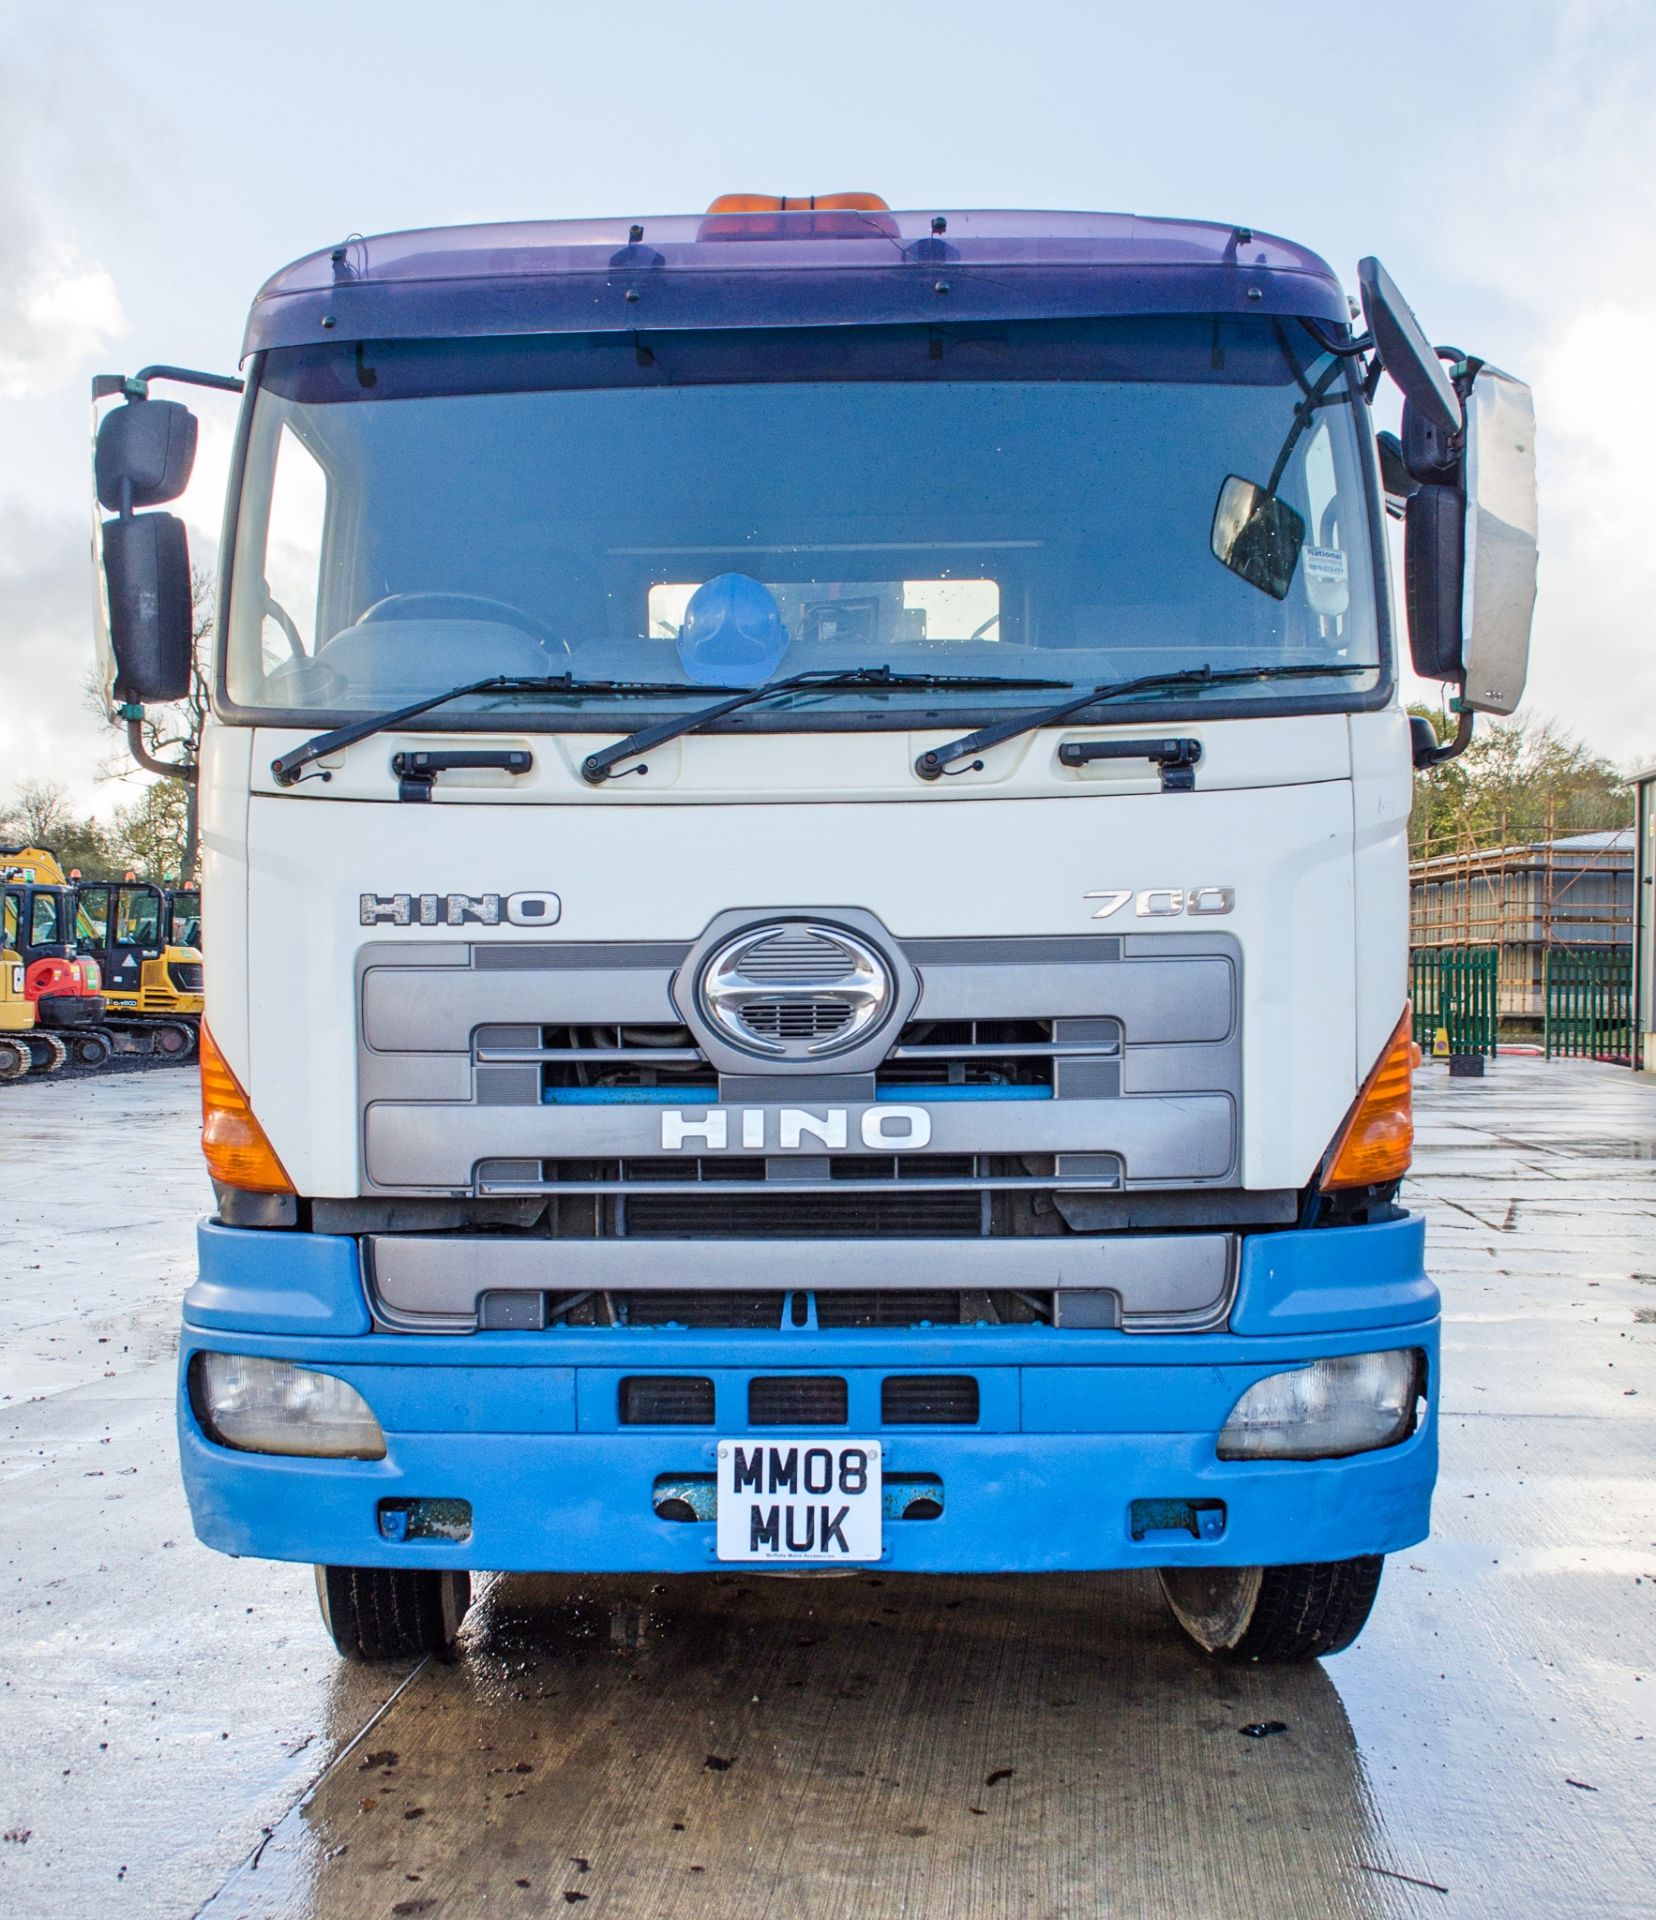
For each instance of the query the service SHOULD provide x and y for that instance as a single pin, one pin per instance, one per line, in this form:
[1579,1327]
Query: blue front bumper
[1075,1426]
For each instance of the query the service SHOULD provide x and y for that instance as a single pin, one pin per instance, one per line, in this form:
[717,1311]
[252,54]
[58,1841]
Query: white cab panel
[924,863]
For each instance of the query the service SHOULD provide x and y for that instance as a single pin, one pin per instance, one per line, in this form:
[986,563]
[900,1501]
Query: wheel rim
[14,1061]
[1214,1605]
[172,1041]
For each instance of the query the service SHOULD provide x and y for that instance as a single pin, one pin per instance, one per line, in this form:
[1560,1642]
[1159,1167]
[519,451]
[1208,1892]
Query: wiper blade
[596,767]
[931,764]
[286,769]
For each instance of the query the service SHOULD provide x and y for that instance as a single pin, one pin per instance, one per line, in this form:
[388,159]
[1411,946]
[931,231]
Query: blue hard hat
[732,632]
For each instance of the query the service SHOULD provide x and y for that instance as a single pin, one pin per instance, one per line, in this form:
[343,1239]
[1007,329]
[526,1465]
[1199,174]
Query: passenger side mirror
[1469,548]
[143,456]
[1405,352]
[1499,577]
[1257,535]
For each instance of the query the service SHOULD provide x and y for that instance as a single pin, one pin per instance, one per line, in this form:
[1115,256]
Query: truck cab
[805,822]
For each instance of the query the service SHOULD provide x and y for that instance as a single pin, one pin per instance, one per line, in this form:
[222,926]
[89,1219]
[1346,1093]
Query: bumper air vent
[797,1401]
[689,1309]
[929,1400]
[666,1400]
[804,1214]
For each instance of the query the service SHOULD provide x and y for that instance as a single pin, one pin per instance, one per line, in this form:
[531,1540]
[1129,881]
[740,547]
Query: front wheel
[1275,1615]
[14,1060]
[391,1613]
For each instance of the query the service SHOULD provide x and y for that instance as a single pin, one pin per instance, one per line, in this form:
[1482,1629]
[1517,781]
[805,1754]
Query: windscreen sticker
[1325,580]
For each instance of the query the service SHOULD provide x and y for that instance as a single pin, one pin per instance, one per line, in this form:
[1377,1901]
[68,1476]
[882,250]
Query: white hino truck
[805,860]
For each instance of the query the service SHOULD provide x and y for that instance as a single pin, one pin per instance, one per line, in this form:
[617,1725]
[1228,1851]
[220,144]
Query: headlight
[272,1406]
[1350,1404]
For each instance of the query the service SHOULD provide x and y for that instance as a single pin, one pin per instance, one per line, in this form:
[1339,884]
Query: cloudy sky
[157,163]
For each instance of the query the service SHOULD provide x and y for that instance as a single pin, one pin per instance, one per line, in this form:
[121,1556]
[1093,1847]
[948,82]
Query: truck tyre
[391,1613]
[14,1060]
[1277,1615]
[90,1049]
[46,1051]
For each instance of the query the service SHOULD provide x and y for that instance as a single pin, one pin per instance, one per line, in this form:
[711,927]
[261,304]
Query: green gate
[1589,1003]
[1454,988]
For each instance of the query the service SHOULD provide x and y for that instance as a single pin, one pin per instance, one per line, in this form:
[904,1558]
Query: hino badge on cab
[805,857]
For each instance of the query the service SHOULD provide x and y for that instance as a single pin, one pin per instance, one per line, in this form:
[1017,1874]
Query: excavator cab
[129,927]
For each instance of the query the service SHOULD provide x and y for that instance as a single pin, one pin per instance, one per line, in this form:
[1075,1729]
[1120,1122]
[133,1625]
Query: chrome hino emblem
[795,990]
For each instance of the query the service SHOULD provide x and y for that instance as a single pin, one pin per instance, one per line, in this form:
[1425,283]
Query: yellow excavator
[120,934]
[17,1016]
[132,929]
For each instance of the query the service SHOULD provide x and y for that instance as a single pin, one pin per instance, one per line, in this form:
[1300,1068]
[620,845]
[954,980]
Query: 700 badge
[804,1500]
[1162,903]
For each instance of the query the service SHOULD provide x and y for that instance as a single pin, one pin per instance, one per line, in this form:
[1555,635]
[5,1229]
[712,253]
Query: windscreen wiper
[596,767]
[286,769]
[931,763]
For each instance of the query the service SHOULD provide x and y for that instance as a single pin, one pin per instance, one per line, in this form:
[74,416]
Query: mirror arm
[1452,748]
[136,386]
[168,769]
[1347,350]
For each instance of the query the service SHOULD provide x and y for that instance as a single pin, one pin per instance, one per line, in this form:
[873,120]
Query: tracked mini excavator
[61,990]
[138,933]
[17,1017]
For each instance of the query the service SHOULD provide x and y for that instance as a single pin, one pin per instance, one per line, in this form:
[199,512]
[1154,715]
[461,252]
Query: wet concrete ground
[176,1737]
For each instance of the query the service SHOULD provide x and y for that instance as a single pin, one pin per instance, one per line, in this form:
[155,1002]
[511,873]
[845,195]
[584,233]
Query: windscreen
[1066,502]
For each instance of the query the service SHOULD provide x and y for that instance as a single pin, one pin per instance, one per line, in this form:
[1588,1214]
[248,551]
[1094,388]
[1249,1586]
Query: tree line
[1520,781]
[145,837]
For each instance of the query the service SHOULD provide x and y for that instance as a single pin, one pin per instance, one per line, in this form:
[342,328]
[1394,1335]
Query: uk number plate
[807,1500]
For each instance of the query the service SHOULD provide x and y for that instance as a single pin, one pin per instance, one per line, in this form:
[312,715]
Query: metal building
[1644,928]
[1528,902]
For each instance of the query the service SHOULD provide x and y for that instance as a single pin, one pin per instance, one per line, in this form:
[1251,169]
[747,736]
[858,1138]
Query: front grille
[929,1400]
[797,1402]
[185,975]
[623,1056]
[795,1019]
[971,1053]
[802,1215]
[796,955]
[666,1400]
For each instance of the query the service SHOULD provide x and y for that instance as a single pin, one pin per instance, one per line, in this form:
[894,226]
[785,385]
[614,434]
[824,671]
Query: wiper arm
[287,768]
[930,765]
[596,767]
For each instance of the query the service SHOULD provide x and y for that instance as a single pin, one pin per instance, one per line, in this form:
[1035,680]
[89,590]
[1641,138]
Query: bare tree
[38,814]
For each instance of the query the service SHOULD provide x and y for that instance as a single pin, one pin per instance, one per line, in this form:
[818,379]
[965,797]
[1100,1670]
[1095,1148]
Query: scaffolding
[1570,893]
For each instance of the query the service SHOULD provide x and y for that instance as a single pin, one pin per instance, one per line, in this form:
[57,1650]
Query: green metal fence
[1454,988]
[1588,1003]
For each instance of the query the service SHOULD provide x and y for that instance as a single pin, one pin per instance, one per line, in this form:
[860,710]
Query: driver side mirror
[144,454]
